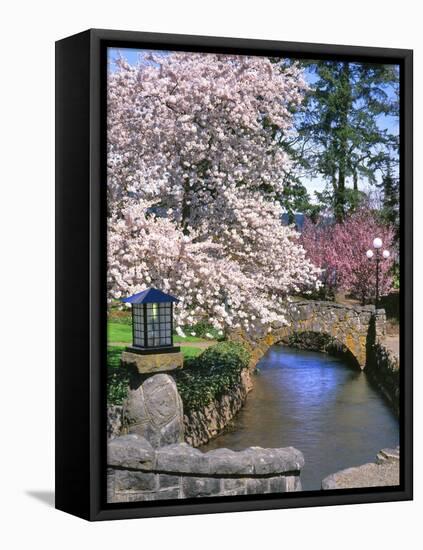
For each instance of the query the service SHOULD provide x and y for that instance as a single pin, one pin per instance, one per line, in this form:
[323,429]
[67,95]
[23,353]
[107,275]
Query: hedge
[211,374]
[204,378]
[117,377]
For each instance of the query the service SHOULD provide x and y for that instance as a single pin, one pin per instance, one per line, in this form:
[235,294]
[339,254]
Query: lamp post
[378,256]
[152,349]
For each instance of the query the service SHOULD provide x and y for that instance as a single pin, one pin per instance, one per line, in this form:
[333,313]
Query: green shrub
[117,377]
[211,374]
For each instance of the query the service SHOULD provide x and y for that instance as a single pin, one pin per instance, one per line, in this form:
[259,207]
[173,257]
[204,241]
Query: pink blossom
[340,250]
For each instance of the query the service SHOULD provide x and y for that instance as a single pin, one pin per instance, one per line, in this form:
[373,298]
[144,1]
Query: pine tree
[340,132]
[390,208]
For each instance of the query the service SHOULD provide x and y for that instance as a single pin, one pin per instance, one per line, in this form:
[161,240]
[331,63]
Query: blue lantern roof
[150,296]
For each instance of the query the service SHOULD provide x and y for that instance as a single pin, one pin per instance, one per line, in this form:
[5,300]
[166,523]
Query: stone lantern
[152,349]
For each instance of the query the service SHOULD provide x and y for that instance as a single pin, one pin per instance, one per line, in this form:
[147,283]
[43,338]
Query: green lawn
[119,332]
[114,353]
[122,333]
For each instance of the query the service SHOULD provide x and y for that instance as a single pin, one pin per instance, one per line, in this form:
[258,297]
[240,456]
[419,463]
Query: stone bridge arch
[354,327]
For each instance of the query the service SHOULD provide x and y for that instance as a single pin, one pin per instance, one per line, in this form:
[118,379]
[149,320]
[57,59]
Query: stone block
[153,363]
[226,462]
[234,486]
[110,483]
[134,497]
[167,494]
[277,484]
[200,486]
[165,481]
[131,451]
[284,484]
[257,486]
[293,483]
[274,461]
[181,458]
[130,480]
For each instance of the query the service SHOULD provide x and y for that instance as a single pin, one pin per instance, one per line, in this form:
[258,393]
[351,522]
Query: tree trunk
[355,181]
[186,209]
[342,130]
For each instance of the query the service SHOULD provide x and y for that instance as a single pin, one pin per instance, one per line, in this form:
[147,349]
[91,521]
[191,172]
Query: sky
[132,56]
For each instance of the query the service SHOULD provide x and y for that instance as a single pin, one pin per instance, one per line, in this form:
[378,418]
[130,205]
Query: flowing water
[318,404]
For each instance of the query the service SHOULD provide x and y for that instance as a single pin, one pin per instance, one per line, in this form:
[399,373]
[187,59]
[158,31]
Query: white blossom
[194,166]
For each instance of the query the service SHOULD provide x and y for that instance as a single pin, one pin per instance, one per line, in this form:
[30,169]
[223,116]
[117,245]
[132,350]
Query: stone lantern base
[152,363]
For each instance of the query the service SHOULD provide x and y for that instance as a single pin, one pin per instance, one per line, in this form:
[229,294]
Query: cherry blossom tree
[340,250]
[194,171]
[219,283]
[184,127]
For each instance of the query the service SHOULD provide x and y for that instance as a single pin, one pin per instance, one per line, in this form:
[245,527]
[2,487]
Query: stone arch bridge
[353,328]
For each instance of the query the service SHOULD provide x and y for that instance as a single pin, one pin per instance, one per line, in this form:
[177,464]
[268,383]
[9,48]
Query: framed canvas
[234,274]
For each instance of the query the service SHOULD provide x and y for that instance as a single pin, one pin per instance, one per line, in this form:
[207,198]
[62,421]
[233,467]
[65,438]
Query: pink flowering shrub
[340,250]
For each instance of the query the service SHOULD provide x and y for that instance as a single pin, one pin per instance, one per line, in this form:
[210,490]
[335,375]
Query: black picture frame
[81,274]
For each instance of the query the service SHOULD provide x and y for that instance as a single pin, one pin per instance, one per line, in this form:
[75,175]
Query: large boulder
[154,410]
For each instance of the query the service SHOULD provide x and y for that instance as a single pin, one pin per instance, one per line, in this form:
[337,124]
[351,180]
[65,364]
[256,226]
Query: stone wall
[139,472]
[382,473]
[152,463]
[383,369]
[347,325]
[202,425]
[154,410]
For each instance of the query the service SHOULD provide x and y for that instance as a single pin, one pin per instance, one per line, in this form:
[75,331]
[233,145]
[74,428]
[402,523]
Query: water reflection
[316,403]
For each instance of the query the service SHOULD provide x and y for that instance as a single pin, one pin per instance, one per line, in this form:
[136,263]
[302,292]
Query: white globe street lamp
[377,245]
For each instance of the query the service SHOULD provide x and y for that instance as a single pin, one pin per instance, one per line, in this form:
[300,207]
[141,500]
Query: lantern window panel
[153,320]
[139,341]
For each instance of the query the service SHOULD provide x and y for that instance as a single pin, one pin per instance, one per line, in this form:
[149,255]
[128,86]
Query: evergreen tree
[390,207]
[340,135]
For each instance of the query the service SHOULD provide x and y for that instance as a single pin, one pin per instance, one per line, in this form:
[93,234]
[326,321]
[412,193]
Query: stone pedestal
[153,363]
[153,410]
